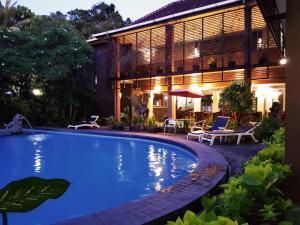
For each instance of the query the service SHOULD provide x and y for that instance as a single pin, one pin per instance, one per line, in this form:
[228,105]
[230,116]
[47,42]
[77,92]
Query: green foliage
[138,120]
[151,122]
[101,17]
[255,195]
[267,129]
[125,117]
[49,55]
[238,99]
[11,15]
[207,217]
[29,193]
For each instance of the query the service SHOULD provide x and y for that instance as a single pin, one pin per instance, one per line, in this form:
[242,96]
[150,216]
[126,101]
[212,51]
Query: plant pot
[196,68]
[159,71]
[213,66]
[180,69]
[118,127]
[152,129]
[231,64]
[139,127]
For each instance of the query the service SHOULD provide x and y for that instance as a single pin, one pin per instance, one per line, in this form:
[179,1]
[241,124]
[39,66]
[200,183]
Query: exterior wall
[104,100]
[293,100]
[177,54]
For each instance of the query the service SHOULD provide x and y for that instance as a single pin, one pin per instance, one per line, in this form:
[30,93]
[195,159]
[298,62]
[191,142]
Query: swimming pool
[105,171]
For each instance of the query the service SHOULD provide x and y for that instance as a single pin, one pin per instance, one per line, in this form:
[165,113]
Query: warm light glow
[283,61]
[267,92]
[120,95]
[259,40]
[166,97]
[196,52]
[37,92]
[157,89]
[195,87]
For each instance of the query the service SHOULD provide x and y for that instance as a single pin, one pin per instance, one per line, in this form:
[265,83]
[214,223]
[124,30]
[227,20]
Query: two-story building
[203,45]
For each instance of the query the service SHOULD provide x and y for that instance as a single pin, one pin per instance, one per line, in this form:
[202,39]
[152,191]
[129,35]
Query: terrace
[206,52]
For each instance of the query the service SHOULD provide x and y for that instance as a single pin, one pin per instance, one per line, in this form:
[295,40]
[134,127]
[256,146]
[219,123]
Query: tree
[238,99]
[49,55]
[7,12]
[101,17]
[12,16]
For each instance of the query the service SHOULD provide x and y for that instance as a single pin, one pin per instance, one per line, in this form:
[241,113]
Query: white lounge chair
[220,123]
[247,130]
[170,123]
[92,122]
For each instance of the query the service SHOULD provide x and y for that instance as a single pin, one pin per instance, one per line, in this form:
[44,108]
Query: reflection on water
[37,140]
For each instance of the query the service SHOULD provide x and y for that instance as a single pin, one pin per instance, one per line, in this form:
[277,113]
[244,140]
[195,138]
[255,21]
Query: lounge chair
[220,123]
[246,130]
[170,123]
[91,123]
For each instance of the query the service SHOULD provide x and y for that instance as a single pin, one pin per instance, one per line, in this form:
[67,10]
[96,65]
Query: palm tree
[7,11]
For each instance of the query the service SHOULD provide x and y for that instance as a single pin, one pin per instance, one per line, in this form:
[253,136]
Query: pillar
[150,105]
[215,98]
[293,100]
[169,68]
[248,40]
[117,97]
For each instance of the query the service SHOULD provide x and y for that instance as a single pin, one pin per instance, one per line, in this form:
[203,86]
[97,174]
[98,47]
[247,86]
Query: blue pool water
[104,171]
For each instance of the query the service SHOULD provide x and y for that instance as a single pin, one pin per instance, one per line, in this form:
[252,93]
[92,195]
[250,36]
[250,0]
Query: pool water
[104,171]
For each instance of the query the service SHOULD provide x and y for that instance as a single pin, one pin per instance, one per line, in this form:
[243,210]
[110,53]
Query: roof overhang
[162,19]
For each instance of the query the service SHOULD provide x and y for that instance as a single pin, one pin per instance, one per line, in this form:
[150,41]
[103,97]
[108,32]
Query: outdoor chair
[198,129]
[170,123]
[243,131]
[91,123]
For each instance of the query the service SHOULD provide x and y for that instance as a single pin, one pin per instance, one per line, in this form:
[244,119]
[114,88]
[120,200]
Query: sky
[133,9]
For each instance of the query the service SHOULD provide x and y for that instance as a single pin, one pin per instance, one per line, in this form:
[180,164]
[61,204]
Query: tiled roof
[176,7]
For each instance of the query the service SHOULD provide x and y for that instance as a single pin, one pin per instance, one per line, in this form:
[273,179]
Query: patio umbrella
[187,93]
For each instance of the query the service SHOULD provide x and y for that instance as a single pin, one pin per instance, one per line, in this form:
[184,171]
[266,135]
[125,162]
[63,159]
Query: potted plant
[263,60]
[159,70]
[180,69]
[125,119]
[114,123]
[231,62]
[152,125]
[196,68]
[212,62]
[238,99]
[138,123]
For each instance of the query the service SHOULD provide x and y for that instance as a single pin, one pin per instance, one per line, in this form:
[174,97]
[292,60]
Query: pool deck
[167,204]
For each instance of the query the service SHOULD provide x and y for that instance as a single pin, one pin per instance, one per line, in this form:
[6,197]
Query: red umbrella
[188,93]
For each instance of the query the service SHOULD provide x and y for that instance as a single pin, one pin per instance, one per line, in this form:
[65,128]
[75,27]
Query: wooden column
[117,86]
[169,67]
[293,99]
[248,40]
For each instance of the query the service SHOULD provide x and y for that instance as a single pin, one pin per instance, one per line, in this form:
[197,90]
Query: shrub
[238,99]
[254,196]
[267,129]
[207,217]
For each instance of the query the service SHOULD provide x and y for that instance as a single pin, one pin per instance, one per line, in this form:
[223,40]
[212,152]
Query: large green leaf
[26,194]
[256,175]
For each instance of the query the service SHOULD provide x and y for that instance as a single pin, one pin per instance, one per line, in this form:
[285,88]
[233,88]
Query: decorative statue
[15,126]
